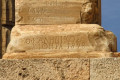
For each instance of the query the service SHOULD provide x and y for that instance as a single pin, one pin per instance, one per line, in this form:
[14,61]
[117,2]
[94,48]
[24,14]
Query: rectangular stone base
[60,69]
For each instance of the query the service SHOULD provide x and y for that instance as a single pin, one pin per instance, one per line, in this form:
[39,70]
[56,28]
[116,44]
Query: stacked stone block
[59,27]
[59,40]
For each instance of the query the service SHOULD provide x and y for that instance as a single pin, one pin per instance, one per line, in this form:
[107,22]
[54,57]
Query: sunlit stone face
[61,38]
[57,11]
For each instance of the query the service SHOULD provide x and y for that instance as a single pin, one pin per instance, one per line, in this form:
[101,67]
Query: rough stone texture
[60,69]
[105,69]
[45,69]
[31,55]
[59,38]
[113,40]
[58,11]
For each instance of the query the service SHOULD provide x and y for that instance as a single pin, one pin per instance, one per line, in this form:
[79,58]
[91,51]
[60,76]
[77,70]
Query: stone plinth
[58,11]
[105,69]
[61,38]
[60,69]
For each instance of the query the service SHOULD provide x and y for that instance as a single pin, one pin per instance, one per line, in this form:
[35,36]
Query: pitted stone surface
[45,69]
[60,69]
[58,11]
[105,69]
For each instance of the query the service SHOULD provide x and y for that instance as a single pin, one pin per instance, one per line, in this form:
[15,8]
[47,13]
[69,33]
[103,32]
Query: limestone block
[60,69]
[35,55]
[58,11]
[59,38]
[105,69]
[112,38]
[45,69]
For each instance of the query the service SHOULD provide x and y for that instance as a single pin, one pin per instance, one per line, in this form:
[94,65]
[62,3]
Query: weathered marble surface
[58,11]
[45,69]
[61,38]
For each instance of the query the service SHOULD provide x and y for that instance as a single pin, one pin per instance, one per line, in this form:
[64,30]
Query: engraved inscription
[56,42]
[57,12]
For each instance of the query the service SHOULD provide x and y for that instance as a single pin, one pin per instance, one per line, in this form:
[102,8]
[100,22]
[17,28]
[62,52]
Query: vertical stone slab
[45,69]
[105,69]
[11,11]
[58,11]
[5,39]
[4,13]
[8,12]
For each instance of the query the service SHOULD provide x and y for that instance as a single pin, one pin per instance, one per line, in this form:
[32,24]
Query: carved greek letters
[55,42]
[58,12]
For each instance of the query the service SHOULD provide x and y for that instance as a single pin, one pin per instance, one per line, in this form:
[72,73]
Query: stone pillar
[0,29]
[61,27]
[7,21]
[54,36]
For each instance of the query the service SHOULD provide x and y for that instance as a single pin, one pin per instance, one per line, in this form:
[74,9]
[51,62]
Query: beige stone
[45,69]
[105,69]
[33,55]
[59,38]
[58,11]
[113,40]
[60,69]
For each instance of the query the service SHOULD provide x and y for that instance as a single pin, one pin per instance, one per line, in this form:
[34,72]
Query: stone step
[60,69]
[58,11]
[37,55]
